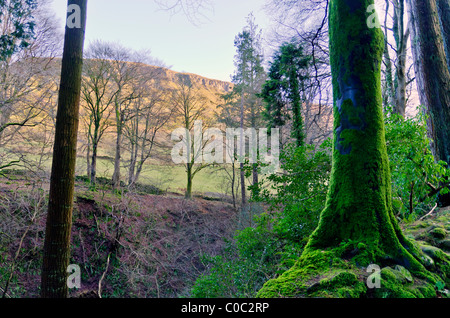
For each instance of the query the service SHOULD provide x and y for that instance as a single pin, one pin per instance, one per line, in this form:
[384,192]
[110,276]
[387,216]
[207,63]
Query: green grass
[170,178]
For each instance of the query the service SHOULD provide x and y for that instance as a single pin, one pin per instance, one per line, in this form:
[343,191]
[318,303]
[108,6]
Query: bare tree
[150,114]
[98,94]
[190,108]
[129,81]
[27,86]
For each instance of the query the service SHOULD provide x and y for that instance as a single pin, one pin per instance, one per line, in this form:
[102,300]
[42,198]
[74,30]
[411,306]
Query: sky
[205,47]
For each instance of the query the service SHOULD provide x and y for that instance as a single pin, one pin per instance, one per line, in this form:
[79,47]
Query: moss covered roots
[357,226]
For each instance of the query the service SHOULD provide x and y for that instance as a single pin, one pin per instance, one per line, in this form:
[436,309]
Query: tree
[357,227]
[282,90]
[432,76]
[26,76]
[17,26]
[248,79]
[98,95]
[306,22]
[60,205]
[150,114]
[401,37]
[189,107]
[129,81]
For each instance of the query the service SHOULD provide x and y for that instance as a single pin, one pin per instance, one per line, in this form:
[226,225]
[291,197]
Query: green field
[170,178]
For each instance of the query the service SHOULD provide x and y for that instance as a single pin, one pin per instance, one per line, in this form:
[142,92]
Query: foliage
[17,26]
[294,199]
[414,171]
[283,87]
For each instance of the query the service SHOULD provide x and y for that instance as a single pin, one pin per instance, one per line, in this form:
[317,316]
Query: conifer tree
[282,90]
[248,79]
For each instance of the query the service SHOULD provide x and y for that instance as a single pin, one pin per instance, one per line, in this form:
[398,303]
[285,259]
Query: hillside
[133,244]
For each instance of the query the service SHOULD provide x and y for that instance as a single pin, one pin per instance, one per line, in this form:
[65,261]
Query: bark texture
[59,218]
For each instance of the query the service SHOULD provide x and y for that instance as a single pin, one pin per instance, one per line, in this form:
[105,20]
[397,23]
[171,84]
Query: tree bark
[188,194]
[242,148]
[432,77]
[358,206]
[444,18]
[401,38]
[59,218]
[116,173]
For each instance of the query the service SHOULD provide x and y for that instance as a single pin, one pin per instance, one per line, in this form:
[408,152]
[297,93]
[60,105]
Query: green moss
[396,283]
[438,233]
[317,274]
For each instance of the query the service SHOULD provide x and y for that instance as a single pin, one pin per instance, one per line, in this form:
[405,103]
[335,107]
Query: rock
[399,273]
[438,232]
[403,271]
[438,255]
[445,245]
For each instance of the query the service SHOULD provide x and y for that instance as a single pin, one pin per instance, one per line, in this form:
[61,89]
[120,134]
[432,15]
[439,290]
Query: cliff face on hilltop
[211,85]
[207,83]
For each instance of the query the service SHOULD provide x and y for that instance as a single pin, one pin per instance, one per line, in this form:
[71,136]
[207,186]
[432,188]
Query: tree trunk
[88,157]
[432,77]
[93,166]
[242,153]
[59,217]
[432,74]
[388,97]
[401,39]
[358,205]
[444,18]
[116,174]
[188,194]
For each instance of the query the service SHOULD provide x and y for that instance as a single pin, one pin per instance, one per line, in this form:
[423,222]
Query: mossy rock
[318,274]
[398,282]
[445,245]
[438,233]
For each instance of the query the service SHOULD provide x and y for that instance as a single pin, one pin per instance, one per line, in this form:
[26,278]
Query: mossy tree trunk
[358,206]
[59,217]
[357,227]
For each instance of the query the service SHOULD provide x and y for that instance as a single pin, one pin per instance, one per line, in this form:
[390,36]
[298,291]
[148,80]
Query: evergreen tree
[283,89]
[248,79]
[17,26]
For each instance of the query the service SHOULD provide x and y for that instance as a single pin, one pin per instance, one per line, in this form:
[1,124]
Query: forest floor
[126,244]
[135,243]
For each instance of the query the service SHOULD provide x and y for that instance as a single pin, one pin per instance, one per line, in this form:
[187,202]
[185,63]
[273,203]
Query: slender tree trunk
[401,39]
[233,181]
[116,174]
[242,148]
[188,194]
[93,166]
[389,85]
[94,163]
[59,217]
[88,157]
[133,154]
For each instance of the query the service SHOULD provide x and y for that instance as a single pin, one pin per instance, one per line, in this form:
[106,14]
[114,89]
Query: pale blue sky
[206,49]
